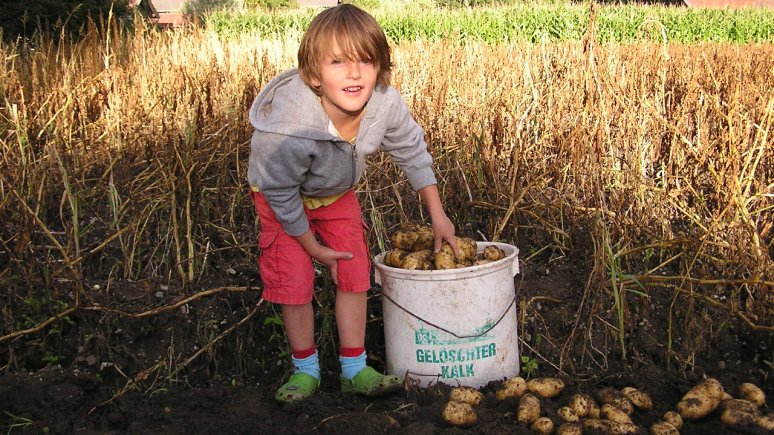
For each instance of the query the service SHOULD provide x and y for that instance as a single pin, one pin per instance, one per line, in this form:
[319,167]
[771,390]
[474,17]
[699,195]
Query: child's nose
[354,70]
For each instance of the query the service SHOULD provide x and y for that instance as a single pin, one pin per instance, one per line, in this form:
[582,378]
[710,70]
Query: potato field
[627,151]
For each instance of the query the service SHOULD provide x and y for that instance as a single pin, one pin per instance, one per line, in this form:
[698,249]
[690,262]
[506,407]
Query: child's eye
[366,61]
[335,61]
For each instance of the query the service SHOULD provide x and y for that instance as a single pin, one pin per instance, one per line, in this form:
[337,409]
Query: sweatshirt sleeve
[278,170]
[404,141]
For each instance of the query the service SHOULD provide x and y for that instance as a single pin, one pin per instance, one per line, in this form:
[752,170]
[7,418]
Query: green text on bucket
[446,356]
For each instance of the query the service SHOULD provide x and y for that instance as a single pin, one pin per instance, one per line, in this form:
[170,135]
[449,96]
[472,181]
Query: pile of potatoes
[708,396]
[413,250]
[610,410]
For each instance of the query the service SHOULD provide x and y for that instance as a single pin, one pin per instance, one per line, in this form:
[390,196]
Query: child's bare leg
[299,326]
[351,318]
[357,377]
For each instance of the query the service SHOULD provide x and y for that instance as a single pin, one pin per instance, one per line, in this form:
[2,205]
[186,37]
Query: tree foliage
[24,18]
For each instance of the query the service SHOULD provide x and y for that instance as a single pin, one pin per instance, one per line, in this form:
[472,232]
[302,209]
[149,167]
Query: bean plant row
[529,23]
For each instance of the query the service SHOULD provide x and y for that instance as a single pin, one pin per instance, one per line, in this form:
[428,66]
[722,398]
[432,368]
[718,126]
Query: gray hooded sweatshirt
[295,151]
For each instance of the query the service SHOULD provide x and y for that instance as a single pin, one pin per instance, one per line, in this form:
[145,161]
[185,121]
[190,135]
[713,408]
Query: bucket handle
[513,302]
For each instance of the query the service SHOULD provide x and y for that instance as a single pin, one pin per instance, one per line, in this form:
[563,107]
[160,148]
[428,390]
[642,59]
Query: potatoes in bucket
[411,238]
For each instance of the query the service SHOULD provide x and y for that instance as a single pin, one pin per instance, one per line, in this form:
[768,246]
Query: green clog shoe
[370,383]
[300,386]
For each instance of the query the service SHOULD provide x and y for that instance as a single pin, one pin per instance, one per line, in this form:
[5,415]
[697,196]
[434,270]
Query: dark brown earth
[104,372]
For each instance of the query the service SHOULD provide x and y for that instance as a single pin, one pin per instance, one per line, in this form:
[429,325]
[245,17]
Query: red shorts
[286,269]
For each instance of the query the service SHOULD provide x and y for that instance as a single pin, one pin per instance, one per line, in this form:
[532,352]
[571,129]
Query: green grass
[533,23]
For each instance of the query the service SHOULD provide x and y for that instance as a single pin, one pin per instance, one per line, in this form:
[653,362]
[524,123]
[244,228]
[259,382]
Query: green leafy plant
[529,365]
[278,334]
[51,359]
[271,4]
[17,422]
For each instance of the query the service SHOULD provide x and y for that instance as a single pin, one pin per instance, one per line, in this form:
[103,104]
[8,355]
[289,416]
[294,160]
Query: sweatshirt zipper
[354,162]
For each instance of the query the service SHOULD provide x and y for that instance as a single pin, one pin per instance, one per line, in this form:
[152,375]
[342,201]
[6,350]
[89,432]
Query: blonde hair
[358,35]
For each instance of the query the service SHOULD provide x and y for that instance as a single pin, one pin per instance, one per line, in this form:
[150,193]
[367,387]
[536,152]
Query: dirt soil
[102,372]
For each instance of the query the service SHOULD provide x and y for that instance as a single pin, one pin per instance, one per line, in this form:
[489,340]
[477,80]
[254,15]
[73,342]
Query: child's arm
[443,228]
[323,254]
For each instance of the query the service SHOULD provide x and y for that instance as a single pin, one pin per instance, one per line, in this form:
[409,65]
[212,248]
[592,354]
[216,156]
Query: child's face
[345,85]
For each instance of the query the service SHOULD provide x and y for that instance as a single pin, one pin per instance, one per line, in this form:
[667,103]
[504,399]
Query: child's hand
[443,229]
[323,254]
[330,258]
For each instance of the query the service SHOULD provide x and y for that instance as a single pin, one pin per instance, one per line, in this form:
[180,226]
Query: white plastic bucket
[456,326]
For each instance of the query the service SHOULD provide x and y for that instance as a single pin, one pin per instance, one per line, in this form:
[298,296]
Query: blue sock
[351,366]
[309,365]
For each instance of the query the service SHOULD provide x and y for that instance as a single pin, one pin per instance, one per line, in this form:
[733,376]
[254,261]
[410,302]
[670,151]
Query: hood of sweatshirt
[287,106]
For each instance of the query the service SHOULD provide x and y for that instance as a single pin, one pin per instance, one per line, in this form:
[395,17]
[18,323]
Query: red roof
[170,19]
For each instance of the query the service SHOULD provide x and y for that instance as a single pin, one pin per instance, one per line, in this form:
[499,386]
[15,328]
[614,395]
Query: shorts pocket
[266,239]
[268,260]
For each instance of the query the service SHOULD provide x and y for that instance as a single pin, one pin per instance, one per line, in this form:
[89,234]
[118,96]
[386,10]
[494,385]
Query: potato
[459,414]
[639,398]
[542,425]
[468,248]
[444,260]
[610,412]
[608,427]
[737,417]
[481,262]
[580,403]
[673,418]
[701,400]
[545,387]
[513,387]
[493,253]
[569,429]
[419,260]
[740,405]
[594,411]
[616,398]
[528,409]
[751,392]
[425,238]
[766,422]
[663,428]
[407,226]
[567,414]
[404,239]
[394,258]
[468,395]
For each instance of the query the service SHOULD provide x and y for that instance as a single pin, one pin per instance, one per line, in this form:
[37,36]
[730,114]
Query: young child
[314,127]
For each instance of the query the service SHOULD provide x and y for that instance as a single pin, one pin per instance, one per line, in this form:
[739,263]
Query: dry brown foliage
[125,157]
